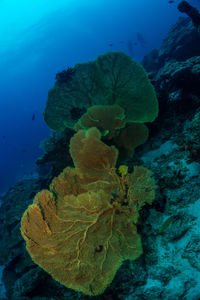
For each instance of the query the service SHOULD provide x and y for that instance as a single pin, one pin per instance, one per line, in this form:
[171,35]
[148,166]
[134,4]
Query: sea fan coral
[82,230]
[107,118]
[113,78]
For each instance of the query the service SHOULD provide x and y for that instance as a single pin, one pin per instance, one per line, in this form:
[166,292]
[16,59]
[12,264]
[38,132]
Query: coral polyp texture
[83,228]
[113,78]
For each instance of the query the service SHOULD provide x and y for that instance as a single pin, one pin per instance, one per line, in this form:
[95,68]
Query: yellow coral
[123,170]
[82,230]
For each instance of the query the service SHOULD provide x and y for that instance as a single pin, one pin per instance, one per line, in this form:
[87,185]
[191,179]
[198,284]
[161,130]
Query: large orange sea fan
[82,230]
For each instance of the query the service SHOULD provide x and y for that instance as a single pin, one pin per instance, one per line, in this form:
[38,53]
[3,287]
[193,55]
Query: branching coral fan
[82,230]
[116,95]
[113,78]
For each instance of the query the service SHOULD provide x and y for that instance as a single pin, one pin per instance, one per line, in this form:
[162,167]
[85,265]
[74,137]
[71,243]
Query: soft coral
[85,226]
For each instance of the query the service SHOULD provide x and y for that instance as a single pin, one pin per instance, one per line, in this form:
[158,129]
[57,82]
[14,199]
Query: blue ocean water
[41,38]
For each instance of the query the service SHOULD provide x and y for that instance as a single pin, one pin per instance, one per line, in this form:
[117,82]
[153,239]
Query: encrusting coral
[82,230]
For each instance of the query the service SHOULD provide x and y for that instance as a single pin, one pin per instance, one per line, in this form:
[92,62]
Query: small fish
[33,117]
[169,221]
[110,45]
[123,170]
[170,1]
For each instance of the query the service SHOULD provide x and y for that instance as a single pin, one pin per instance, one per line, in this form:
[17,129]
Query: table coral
[84,227]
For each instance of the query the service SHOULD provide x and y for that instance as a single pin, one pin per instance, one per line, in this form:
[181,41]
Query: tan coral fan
[83,228]
[107,118]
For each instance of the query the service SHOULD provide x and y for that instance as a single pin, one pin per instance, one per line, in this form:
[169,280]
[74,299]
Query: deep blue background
[40,38]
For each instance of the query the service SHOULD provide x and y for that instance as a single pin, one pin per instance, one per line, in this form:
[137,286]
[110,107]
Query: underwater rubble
[170,229]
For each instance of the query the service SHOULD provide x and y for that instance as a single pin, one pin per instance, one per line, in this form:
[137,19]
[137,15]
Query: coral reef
[191,11]
[91,202]
[65,76]
[169,228]
[176,78]
[55,155]
[82,230]
[191,138]
[181,43]
[121,99]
